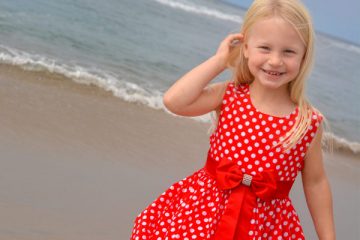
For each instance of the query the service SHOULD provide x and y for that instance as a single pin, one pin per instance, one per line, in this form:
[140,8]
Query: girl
[267,131]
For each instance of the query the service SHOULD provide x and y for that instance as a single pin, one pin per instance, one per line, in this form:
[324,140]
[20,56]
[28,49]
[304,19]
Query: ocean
[138,49]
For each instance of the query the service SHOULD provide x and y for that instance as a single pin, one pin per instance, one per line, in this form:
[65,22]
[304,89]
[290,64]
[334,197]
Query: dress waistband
[245,189]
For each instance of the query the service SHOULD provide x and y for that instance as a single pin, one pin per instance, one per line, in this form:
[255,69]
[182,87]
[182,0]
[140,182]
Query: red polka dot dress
[242,191]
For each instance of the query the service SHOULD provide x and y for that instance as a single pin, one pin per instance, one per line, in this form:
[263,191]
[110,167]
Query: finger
[236,39]
[236,35]
[235,43]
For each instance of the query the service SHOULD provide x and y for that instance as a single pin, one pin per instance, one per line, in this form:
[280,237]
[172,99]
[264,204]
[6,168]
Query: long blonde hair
[297,15]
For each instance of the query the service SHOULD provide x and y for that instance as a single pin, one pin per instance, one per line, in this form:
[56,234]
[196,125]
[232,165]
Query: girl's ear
[246,50]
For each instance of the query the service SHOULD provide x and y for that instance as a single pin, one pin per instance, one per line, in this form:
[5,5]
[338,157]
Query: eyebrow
[286,47]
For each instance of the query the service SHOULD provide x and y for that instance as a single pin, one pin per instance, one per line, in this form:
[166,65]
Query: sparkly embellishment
[246,179]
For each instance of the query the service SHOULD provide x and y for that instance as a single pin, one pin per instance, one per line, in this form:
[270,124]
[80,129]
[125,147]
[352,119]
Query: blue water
[138,49]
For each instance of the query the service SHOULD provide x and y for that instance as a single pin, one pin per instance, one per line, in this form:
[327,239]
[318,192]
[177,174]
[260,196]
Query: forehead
[275,30]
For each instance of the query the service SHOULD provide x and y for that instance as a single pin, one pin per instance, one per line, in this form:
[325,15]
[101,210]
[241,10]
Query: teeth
[273,73]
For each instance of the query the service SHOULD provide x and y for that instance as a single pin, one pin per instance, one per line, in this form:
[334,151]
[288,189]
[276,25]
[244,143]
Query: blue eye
[289,51]
[264,47]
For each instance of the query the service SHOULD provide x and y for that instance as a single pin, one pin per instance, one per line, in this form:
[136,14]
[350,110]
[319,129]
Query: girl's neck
[269,95]
[273,101]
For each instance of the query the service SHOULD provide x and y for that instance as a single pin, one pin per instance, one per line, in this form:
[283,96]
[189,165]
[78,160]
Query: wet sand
[78,163]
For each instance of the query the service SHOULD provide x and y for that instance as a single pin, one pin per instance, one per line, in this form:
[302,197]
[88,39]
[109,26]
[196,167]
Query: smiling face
[274,52]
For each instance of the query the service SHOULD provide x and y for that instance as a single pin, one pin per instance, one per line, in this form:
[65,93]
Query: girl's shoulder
[234,93]
[316,116]
[235,90]
[238,87]
[315,123]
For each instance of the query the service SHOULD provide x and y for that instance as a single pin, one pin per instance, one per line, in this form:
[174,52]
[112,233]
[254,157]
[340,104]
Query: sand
[78,163]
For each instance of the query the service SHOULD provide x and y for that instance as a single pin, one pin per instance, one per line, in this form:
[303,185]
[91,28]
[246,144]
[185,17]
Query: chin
[272,84]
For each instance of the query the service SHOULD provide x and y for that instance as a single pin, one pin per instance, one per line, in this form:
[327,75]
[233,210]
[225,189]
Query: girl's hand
[231,41]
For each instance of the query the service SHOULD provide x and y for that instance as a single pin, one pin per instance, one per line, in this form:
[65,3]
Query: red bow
[235,222]
[229,176]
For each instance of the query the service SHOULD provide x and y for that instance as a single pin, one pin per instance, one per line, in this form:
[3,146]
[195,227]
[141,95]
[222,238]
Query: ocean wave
[345,46]
[201,10]
[341,144]
[127,91]
[329,42]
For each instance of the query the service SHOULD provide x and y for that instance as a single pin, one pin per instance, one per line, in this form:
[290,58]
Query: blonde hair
[297,15]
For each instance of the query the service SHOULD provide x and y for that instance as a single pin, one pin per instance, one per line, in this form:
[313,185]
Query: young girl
[267,132]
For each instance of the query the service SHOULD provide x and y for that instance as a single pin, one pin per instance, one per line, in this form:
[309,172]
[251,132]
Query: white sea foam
[127,91]
[130,92]
[327,42]
[342,144]
[201,10]
[344,45]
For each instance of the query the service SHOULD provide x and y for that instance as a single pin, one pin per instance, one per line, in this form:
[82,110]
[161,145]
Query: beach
[79,163]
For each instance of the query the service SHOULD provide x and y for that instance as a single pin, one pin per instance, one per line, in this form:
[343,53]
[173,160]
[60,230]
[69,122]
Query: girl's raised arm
[191,95]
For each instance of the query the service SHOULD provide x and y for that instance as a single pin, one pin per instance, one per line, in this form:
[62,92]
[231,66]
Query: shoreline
[78,163]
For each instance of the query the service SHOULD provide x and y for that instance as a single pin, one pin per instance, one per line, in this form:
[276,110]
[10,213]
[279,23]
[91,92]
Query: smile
[273,73]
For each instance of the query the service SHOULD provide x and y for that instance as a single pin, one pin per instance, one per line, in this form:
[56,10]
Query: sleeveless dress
[233,201]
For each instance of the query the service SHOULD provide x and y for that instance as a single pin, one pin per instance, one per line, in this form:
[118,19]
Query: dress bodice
[246,135]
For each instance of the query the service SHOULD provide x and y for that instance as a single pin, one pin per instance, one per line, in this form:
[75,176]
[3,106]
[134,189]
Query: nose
[275,59]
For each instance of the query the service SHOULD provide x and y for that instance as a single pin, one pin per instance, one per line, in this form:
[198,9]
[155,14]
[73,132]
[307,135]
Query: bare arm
[191,95]
[317,190]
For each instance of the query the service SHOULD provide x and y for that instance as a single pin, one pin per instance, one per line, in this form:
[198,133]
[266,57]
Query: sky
[340,19]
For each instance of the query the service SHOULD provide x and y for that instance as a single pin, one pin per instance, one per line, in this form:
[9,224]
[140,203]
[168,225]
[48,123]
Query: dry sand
[78,163]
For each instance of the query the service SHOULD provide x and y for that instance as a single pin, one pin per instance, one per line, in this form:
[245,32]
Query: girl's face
[274,52]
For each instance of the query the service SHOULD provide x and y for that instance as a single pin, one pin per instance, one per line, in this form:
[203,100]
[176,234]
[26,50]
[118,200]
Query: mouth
[273,73]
